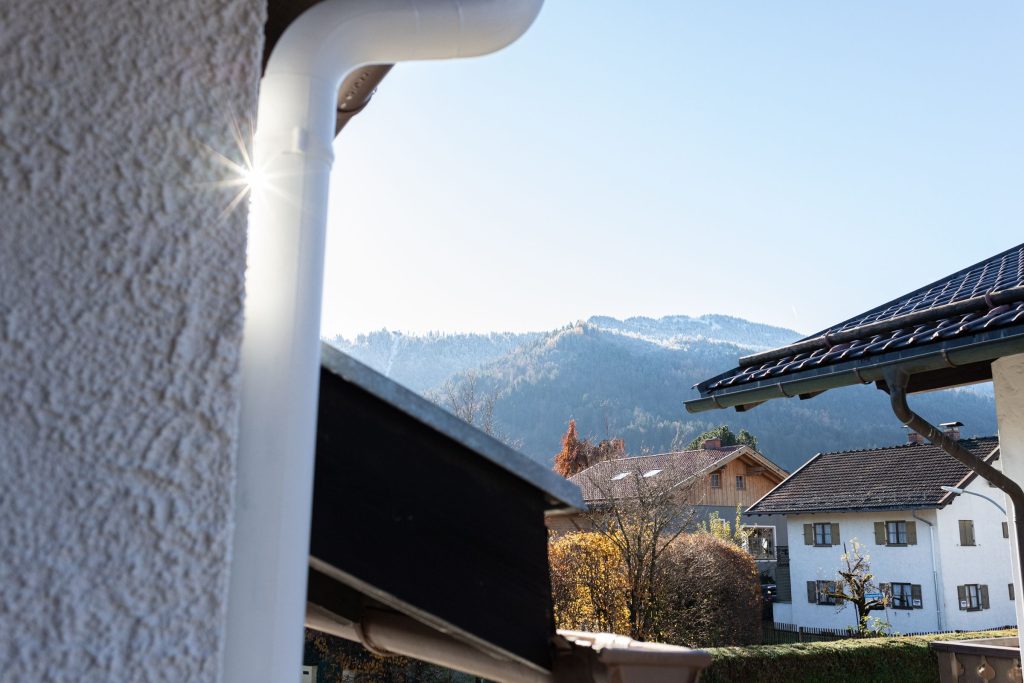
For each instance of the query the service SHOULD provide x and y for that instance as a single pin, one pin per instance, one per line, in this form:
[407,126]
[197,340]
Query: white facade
[120,324]
[937,559]
[1008,380]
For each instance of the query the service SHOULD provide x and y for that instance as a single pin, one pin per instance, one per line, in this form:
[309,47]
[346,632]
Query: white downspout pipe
[936,574]
[280,348]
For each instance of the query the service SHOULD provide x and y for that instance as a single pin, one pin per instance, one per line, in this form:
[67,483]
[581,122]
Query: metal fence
[776,633]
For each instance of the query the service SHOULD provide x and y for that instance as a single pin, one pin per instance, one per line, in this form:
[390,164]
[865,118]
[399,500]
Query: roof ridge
[685,450]
[905,445]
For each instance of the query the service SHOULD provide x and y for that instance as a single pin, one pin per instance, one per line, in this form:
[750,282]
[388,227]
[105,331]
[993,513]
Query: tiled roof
[598,481]
[984,297]
[897,477]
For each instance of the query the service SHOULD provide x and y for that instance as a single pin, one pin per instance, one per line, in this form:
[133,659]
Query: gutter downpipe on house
[896,384]
[285,261]
[936,576]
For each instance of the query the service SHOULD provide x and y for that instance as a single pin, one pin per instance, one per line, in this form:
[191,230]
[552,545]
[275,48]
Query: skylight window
[651,473]
[620,475]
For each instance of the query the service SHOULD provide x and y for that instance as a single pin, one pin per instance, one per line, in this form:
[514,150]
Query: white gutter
[281,343]
[388,633]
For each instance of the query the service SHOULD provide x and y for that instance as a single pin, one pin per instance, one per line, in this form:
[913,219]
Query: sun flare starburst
[243,173]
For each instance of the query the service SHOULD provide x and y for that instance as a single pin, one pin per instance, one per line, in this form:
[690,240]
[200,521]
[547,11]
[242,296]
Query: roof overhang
[930,367]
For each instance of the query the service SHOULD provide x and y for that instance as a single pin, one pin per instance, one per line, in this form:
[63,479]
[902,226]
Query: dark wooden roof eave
[939,365]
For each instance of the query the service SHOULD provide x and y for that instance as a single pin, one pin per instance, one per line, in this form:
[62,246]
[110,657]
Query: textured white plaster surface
[1008,379]
[120,319]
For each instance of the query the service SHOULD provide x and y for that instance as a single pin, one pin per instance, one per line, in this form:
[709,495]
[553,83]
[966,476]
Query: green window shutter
[1006,530]
[808,534]
[915,596]
[983,590]
[911,533]
[1010,585]
[835,534]
[970,531]
[961,597]
[879,533]
[812,591]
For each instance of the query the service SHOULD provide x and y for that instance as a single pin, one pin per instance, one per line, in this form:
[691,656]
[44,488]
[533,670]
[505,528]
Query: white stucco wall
[1008,380]
[987,562]
[909,564]
[120,312]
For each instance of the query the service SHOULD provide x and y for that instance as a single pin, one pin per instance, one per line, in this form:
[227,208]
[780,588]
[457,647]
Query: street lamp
[957,491]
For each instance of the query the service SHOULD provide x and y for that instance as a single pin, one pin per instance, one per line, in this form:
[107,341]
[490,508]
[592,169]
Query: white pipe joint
[280,347]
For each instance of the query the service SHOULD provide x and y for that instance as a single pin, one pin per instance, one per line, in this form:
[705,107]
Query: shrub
[588,583]
[709,593]
[869,660]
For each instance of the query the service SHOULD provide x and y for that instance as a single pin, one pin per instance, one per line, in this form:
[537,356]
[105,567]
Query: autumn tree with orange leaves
[574,456]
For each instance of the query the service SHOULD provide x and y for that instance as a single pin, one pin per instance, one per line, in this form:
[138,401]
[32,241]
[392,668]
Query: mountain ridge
[628,379]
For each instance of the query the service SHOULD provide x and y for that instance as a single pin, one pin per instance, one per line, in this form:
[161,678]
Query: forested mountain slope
[629,379]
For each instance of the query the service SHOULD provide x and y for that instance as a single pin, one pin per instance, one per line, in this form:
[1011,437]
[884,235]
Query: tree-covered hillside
[630,379]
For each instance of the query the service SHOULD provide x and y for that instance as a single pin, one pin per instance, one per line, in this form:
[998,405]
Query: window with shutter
[901,596]
[826,534]
[1006,530]
[972,597]
[822,590]
[966,532]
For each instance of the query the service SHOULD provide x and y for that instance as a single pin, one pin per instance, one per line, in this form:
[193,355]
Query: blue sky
[792,163]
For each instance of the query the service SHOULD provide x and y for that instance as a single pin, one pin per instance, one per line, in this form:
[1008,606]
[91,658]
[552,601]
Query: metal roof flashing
[560,492]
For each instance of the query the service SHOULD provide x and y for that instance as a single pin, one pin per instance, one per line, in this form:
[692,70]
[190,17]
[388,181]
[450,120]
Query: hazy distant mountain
[629,378]
[424,362]
[676,330]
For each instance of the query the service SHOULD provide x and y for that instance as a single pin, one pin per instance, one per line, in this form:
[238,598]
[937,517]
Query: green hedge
[904,659]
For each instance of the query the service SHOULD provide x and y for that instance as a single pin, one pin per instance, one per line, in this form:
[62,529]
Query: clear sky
[793,163]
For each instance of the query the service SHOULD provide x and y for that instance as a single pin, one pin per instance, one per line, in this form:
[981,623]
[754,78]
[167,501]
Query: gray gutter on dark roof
[560,491]
[978,349]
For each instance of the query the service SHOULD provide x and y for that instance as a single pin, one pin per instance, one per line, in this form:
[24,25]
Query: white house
[943,558]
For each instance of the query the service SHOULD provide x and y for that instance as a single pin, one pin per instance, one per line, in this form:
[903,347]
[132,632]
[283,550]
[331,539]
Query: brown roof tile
[600,481]
[896,477]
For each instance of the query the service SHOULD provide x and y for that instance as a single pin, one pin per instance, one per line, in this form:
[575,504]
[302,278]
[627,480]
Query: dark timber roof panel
[897,477]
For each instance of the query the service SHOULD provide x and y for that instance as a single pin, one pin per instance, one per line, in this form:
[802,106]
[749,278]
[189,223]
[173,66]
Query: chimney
[619,447]
[913,437]
[711,443]
[952,429]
